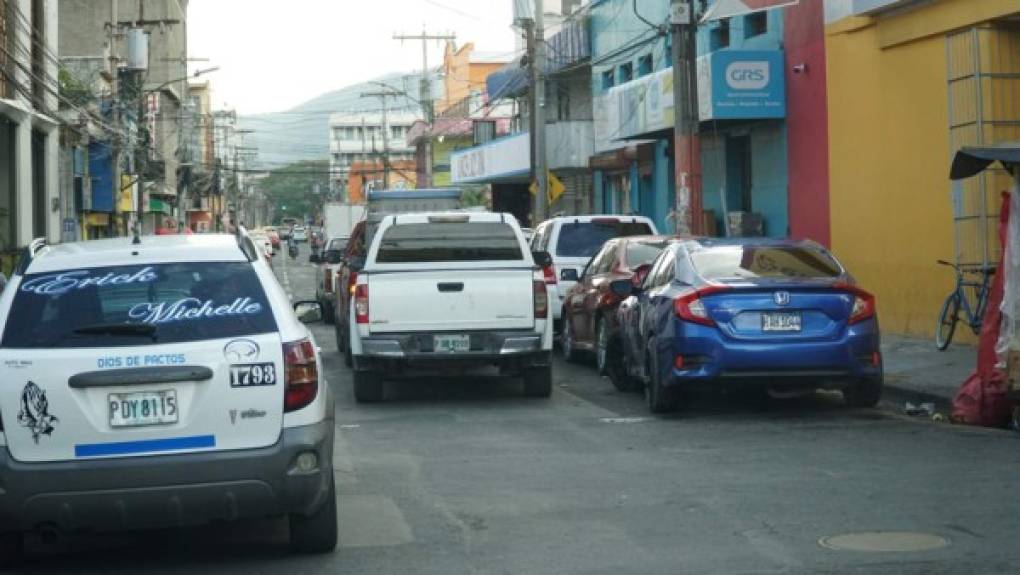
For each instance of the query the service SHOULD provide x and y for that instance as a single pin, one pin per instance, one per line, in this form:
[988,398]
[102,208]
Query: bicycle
[959,299]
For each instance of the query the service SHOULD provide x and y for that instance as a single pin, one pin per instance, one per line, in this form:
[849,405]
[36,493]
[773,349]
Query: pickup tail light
[301,381]
[549,273]
[361,303]
[541,299]
[691,308]
[352,280]
[864,303]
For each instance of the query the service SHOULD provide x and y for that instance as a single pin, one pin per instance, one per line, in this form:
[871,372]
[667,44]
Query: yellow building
[464,73]
[909,82]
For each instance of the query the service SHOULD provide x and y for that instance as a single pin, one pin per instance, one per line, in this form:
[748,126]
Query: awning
[970,161]
[510,81]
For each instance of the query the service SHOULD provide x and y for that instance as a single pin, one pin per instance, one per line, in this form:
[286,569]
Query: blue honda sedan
[770,314]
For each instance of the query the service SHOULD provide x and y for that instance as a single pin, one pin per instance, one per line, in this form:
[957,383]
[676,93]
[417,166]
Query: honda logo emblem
[781,297]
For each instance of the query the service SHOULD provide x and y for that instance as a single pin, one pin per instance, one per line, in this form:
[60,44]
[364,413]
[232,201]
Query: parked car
[572,241]
[325,275]
[589,311]
[749,313]
[274,237]
[346,277]
[264,244]
[299,233]
[450,288]
[157,385]
[284,232]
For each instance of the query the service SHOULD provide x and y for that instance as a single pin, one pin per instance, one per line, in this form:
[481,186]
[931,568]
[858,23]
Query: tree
[294,186]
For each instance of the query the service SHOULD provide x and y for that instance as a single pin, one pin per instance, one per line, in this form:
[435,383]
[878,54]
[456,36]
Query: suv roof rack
[28,254]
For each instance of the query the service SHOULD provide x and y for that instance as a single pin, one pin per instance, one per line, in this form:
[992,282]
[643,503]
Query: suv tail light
[691,308]
[541,299]
[361,303]
[549,273]
[301,381]
[864,303]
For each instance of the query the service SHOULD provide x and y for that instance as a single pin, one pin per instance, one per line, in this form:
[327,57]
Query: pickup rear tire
[368,386]
[538,381]
[316,533]
[12,549]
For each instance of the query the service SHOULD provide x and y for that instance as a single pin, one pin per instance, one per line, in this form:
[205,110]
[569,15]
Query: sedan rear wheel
[609,358]
[865,393]
[659,399]
[570,354]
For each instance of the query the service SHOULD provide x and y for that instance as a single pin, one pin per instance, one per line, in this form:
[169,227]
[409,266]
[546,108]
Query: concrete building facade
[360,137]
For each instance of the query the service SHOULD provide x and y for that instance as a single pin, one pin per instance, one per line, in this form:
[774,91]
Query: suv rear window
[112,306]
[449,242]
[584,239]
[738,262]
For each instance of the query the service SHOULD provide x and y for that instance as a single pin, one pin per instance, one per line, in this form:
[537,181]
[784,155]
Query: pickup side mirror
[542,259]
[569,275]
[623,288]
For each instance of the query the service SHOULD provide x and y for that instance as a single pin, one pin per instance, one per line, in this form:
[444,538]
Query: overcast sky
[274,55]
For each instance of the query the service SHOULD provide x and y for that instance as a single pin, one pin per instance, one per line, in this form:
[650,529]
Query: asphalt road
[463,475]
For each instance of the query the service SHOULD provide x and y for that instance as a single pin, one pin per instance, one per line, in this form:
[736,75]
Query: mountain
[302,133]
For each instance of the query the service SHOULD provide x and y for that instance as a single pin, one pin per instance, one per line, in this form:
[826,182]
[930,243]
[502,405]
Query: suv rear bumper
[168,490]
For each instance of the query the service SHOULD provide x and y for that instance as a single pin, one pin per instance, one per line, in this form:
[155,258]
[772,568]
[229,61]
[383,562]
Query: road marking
[350,426]
[623,419]
[372,521]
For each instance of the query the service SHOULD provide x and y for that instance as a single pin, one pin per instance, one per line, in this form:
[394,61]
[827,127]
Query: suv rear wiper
[140,329]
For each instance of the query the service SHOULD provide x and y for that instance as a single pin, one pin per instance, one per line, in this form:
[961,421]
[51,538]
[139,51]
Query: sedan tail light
[864,303]
[541,299]
[691,308]
[301,381]
[361,303]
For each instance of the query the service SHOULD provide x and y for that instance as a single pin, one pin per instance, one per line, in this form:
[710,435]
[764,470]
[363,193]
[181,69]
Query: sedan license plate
[780,321]
[143,408]
[451,343]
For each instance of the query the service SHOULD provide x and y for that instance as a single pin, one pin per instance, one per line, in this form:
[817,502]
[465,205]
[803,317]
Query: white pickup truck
[450,289]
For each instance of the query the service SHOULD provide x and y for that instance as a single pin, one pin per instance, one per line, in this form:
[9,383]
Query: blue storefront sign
[741,85]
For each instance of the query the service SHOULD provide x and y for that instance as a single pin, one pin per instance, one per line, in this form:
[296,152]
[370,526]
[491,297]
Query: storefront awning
[970,161]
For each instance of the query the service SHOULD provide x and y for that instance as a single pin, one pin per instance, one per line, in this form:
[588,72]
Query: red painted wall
[807,121]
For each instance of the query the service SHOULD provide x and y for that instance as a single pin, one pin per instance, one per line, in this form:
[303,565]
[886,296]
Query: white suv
[572,241]
[160,384]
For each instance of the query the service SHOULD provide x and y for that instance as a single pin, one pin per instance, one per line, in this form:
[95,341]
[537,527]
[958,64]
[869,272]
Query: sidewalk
[917,372]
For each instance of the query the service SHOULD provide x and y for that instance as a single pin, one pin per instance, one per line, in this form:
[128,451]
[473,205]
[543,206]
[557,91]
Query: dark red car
[589,321]
[346,277]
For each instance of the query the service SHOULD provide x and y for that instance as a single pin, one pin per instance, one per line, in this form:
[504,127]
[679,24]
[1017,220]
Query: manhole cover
[884,542]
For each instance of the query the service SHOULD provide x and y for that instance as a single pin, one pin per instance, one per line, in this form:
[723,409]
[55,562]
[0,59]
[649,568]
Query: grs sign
[747,75]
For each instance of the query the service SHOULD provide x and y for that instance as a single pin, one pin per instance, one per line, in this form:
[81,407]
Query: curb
[901,394]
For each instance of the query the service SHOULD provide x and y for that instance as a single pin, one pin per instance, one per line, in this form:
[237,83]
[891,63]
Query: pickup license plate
[143,408]
[780,321]
[451,343]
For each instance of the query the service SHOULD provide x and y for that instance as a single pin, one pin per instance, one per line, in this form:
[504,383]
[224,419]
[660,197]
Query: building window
[562,104]
[349,133]
[755,24]
[626,72]
[397,131]
[644,65]
[719,37]
[608,80]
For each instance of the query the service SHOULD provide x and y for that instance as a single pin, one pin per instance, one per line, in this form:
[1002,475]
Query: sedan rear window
[138,305]
[449,242]
[738,262]
[641,253]
[584,239]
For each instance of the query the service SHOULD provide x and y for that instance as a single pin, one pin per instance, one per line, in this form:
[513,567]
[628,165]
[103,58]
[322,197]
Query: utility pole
[535,29]
[689,212]
[383,95]
[428,110]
